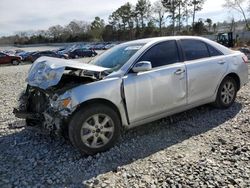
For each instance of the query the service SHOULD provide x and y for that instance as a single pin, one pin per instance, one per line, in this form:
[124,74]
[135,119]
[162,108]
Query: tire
[226,93]
[15,62]
[88,131]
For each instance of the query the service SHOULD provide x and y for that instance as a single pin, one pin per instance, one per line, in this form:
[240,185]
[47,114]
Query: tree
[97,27]
[214,27]
[125,14]
[197,6]
[55,32]
[73,28]
[108,33]
[171,7]
[122,21]
[143,8]
[199,27]
[159,12]
[183,12]
[237,5]
[209,22]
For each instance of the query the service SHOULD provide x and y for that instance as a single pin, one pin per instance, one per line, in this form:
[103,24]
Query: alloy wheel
[97,130]
[227,92]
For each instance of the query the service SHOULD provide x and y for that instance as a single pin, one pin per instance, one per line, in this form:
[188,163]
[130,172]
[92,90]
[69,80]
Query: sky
[25,15]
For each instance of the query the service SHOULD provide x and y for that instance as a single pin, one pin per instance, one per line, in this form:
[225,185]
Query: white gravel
[203,147]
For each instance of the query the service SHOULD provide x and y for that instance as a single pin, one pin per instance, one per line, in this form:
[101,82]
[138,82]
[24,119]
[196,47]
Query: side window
[213,51]
[194,49]
[161,54]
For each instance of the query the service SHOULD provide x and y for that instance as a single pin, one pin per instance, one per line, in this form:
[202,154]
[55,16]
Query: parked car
[18,51]
[7,59]
[25,55]
[9,52]
[99,46]
[108,46]
[32,57]
[81,52]
[129,85]
[66,50]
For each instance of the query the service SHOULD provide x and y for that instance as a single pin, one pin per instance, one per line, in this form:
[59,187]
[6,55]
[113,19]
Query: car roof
[153,40]
[156,39]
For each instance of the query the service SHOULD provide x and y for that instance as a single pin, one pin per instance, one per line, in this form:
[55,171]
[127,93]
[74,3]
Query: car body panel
[146,91]
[47,71]
[203,77]
[111,91]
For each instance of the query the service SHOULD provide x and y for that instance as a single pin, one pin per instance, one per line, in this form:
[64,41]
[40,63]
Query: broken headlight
[61,104]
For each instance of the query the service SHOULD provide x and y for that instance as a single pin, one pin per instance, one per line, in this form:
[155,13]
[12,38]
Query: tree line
[128,22]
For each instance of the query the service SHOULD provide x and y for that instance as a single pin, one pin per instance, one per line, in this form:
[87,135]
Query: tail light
[245,59]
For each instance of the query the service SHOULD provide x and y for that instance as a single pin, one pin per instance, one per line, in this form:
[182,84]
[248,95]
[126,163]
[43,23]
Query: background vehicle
[129,85]
[226,39]
[6,59]
[108,46]
[33,56]
[81,52]
[24,55]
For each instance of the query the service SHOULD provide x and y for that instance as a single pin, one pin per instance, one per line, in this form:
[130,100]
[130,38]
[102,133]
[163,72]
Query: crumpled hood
[47,71]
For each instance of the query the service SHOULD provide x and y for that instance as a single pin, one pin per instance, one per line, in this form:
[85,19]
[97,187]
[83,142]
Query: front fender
[107,89]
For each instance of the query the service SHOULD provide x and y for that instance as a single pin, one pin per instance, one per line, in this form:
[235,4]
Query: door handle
[179,71]
[221,62]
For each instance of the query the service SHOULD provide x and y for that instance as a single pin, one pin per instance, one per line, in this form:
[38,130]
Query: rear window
[213,51]
[194,49]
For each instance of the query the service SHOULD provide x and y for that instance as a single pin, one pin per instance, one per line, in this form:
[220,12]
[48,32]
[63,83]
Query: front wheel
[226,93]
[15,62]
[94,129]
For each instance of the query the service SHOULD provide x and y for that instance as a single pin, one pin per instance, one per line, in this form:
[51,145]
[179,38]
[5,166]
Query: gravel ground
[203,147]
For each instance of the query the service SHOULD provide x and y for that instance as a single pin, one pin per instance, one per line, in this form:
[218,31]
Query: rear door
[205,68]
[160,89]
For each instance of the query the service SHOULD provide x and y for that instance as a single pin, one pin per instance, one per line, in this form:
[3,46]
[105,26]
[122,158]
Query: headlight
[61,104]
[50,75]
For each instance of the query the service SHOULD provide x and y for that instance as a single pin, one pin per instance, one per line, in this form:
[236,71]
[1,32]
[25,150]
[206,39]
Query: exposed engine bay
[40,103]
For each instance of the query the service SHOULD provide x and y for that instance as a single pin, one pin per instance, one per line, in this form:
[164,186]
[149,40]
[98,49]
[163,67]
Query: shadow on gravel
[39,159]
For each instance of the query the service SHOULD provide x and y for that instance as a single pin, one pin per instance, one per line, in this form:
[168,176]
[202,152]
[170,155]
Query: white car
[129,85]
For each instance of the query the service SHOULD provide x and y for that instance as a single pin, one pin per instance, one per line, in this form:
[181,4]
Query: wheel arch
[99,101]
[235,77]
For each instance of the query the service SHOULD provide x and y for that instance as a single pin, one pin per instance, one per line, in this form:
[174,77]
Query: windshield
[116,57]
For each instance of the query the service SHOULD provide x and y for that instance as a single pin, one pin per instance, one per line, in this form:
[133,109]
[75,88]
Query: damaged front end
[47,101]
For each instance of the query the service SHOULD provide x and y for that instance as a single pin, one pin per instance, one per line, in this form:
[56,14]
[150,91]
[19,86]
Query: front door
[161,89]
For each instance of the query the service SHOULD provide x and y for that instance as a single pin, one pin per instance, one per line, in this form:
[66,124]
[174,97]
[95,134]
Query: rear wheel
[226,93]
[94,129]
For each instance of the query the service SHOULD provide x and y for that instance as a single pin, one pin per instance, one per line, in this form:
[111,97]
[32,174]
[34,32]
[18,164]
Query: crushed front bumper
[25,115]
[46,120]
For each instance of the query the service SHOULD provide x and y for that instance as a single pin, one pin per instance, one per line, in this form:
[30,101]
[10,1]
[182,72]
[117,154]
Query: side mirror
[142,66]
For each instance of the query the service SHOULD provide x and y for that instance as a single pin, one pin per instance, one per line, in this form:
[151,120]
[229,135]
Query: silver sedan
[129,85]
